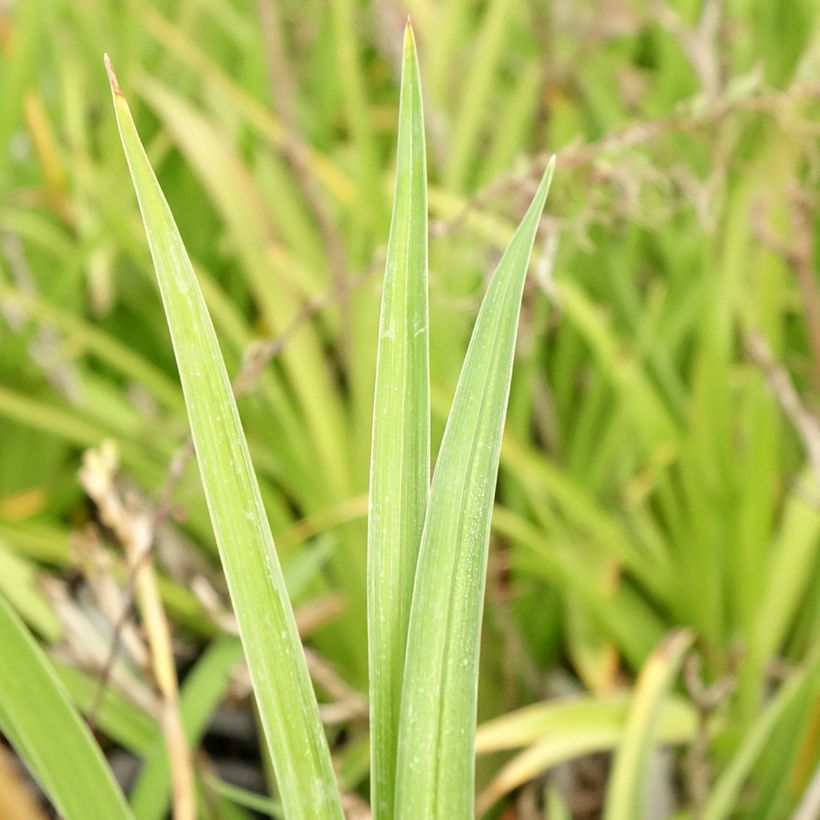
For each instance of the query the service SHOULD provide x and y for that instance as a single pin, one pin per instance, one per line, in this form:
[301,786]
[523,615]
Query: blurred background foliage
[661,461]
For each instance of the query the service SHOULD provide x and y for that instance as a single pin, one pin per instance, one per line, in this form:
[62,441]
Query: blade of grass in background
[477,84]
[559,730]
[400,460]
[285,697]
[19,583]
[438,711]
[202,692]
[628,778]
[115,715]
[725,794]
[47,732]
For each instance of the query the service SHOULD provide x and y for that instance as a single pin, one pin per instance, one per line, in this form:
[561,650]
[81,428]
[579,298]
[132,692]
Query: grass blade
[560,730]
[435,764]
[725,794]
[629,768]
[400,460]
[41,723]
[287,704]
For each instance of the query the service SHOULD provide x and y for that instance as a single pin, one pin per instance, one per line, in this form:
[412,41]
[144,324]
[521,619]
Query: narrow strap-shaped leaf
[438,710]
[624,795]
[287,704]
[41,723]
[562,730]
[725,793]
[400,459]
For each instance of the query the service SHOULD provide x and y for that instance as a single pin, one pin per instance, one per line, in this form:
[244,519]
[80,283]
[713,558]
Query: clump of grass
[649,479]
[423,715]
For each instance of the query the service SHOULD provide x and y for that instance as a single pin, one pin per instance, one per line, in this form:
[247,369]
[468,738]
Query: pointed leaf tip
[539,200]
[546,179]
[112,77]
[409,37]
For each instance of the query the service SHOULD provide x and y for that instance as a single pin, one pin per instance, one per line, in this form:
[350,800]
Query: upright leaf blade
[41,723]
[724,796]
[400,459]
[624,795]
[438,710]
[287,704]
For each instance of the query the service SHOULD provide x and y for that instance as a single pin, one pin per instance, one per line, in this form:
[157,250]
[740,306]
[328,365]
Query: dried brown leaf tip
[112,77]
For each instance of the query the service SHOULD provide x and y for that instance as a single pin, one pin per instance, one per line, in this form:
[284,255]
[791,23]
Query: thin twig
[262,352]
[698,43]
[803,420]
[798,254]
[175,473]
[258,356]
[113,650]
[348,704]
[579,155]
[707,699]
[802,214]
[133,526]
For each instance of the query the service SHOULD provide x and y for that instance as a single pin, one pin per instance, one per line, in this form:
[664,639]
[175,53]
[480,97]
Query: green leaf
[565,716]
[47,732]
[725,794]
[629,767]
[479,79]
[400,460]
[438,711]
[243,797]
[114,715]
[559,730]
[85,337]
[287,703]
[19,583]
